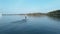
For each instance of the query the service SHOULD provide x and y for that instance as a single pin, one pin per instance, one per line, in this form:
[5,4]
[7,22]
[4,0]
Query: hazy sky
[28,6]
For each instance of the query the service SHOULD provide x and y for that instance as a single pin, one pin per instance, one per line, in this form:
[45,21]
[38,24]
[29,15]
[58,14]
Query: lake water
[32,25]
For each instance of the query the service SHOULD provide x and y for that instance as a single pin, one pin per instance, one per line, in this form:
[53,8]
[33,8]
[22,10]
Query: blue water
[32,25]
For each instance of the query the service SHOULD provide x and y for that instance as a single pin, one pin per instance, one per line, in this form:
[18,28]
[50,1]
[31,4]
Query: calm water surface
[31,25]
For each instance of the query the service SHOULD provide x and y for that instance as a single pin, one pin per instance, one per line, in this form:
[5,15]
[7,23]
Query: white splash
[0,14]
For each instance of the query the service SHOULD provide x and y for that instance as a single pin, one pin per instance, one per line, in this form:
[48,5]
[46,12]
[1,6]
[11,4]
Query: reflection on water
[35,25]
[20,21]
[56,18]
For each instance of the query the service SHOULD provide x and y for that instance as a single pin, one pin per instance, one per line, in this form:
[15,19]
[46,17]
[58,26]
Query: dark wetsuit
[25,17]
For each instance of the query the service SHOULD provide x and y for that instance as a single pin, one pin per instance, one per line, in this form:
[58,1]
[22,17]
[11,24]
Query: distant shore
[52,13]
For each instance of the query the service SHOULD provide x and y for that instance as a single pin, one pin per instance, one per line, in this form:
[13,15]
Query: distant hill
[54,13]
[36,14]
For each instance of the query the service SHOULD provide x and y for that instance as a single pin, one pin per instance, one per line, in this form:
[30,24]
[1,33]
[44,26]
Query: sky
[28,6]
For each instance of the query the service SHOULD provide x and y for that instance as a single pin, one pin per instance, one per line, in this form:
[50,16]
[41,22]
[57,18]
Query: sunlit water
[31,25]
